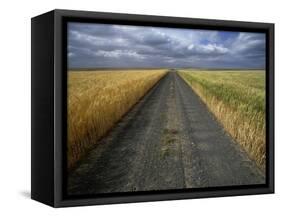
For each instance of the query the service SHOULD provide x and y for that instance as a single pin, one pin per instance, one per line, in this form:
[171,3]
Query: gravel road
[169,140]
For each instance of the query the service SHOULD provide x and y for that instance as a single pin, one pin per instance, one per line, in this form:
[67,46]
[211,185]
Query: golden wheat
[237,99]
[97,100]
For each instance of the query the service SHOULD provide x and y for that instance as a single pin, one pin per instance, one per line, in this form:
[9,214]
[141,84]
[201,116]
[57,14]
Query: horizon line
[127,68]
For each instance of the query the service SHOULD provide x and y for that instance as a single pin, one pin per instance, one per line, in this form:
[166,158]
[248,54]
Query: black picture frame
[49,67]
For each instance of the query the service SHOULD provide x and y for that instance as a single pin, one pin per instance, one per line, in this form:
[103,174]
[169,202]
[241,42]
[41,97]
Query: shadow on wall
[25,194]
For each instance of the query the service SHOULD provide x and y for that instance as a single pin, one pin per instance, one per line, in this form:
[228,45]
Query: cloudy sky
[106,45]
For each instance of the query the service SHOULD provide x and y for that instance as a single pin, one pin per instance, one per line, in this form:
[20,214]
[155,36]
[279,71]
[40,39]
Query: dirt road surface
[169,140]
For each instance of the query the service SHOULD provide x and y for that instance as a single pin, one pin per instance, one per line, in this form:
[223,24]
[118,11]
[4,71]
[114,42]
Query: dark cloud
[103,45]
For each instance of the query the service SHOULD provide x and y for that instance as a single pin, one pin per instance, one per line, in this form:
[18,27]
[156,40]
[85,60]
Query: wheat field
[237,99]
[97,100]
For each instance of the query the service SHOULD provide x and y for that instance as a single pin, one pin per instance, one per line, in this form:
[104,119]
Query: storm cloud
[106,45]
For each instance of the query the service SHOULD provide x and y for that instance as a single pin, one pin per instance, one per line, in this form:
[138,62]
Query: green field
[237,98]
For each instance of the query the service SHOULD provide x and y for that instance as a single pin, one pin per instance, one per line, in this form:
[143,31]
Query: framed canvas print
[130,108]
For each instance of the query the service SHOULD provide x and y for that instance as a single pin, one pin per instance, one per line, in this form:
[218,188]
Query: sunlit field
[237,99]
[99,99]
